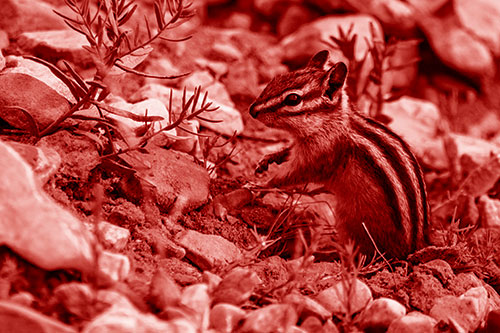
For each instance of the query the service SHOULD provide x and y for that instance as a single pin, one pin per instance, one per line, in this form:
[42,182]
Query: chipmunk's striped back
[371,170]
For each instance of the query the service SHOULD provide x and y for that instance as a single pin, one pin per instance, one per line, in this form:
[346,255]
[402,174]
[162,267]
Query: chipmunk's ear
[319,59]
[335,78]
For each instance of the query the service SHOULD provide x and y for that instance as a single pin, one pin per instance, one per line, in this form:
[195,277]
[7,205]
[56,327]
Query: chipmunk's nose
[254,113]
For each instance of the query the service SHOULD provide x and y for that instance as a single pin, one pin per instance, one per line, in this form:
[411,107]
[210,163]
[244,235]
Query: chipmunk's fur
[371,170]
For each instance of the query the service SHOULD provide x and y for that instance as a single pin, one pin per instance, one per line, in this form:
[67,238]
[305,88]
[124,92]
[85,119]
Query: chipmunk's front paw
[263,165]
[278,158]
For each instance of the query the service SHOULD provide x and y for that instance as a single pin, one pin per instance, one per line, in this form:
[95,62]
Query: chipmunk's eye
[292,99]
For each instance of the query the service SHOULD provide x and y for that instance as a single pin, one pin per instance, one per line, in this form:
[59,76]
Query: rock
[396,15]
[261,58]
[212,280]
[489,210]
[269,8]
[413,322]
[477,151]
[112,268]
[493,322]
[41,72]
[79,157]
[122,316]
[162,243]
[54,45]
[179,183]
[271,318]
[28,15]
[293,17]
[312,324]
[488,125]
[238,20]
[231,202]
[464,281]
[224,52]
[480,180]
[225,317]
[162,65]
[311,37]
[112,236]
[183,325]
[230,118]
[380,313]
[481,19]
[2,58]
[423,289]
[272,271]
[336,297]
[216,90]
[329,327]
[416,122]
[23,298]
[306,306]
[44,161]
[427,6]
[182,272]
[34,225]
[196,298]
[236,287]
[328,6]
[467,310]
[407,111]
[401,68]
[308,39]
[188,142]
[78,299]
[457,48]
[461,207]
[163,290]
[225,120]
[437,268]
[150,107]
[208,251]
[17,318]
[260,51]
[4,43]
[42,102]
[493,295]
[242,81]
[109,297]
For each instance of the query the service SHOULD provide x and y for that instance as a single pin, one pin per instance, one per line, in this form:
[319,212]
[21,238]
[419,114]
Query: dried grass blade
[76,77]
[158,15]
[69,24]
[67,18]
[124,19]
[209,120]
[175,40]
[34,130]
[76,91]
[153,76]
[127,114]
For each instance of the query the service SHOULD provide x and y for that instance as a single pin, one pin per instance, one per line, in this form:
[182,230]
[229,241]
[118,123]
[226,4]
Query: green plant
[208,145]
[115,46]
[380,53]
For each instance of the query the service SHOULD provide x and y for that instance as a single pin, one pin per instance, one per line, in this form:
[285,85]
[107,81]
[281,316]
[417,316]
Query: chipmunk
[370,169]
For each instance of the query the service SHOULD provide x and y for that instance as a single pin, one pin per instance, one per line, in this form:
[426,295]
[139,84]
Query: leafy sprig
[114,46]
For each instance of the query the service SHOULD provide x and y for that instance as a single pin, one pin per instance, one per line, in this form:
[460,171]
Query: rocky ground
[128,200]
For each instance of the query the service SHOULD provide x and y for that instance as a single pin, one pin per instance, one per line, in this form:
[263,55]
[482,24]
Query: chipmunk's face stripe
[297,80]
[410,172]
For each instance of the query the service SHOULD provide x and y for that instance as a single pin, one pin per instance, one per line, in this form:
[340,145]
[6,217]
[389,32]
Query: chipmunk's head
[301,100]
